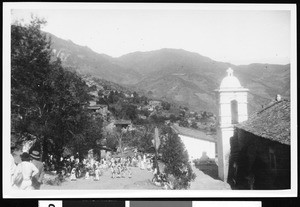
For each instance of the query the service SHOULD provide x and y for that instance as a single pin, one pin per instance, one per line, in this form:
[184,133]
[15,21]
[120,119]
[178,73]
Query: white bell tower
[232,100]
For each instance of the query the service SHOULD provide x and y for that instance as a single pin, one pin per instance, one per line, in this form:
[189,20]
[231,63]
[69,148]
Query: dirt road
[140,180]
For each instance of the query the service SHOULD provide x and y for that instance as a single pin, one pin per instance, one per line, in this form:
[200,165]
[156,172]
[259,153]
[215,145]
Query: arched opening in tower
[234,112]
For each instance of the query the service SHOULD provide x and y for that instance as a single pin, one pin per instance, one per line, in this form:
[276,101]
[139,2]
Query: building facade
[198,144]
[260,150]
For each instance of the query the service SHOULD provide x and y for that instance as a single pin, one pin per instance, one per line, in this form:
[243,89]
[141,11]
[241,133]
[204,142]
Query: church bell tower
[232,101]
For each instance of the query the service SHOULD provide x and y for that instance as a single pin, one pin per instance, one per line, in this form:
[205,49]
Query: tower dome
[230,81]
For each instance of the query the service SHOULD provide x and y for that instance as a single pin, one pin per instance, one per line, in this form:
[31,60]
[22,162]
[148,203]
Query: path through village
[141,179]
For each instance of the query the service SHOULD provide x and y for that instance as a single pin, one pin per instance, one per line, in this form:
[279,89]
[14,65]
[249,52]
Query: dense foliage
[47,100]
[175,158]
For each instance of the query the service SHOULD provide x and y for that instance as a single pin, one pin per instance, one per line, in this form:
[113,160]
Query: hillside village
[175,75]
[107,97]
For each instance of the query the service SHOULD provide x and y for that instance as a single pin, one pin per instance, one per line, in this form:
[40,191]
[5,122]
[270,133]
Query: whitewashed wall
[196,147]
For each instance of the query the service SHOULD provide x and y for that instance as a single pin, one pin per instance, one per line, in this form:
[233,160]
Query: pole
[156,146]
[156,161]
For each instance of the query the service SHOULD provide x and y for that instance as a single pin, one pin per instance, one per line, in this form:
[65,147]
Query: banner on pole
[156,138]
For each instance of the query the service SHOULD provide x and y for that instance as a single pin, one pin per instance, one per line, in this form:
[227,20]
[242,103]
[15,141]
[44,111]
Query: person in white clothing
[97,174]
[28,170]
[73,175]
[12,166]
[87,175]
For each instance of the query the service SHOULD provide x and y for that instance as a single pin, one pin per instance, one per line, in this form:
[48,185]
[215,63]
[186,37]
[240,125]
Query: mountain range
[176,75]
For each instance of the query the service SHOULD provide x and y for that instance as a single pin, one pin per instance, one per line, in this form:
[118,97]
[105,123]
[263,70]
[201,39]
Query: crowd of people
[72,168]
[119,167]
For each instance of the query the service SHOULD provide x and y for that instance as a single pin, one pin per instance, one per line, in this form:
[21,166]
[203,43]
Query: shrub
[175,157]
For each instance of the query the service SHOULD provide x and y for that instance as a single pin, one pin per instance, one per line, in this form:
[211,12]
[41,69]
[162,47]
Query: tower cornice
[230,90]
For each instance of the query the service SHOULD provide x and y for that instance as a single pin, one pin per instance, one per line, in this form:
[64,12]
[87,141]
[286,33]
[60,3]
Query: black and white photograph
[149,100]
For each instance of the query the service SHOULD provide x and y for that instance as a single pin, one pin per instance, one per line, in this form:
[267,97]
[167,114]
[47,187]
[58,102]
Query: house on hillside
[154,103]
[142,117]
[92,103]
[94,94]
[123,123]
[99,108]
[198,144]
[260,150]
[105,93]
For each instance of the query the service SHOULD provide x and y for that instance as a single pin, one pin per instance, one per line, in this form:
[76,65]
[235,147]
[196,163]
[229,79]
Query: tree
[194,125]
[204,116]
[93,88]
[48,98]
[150,93]
[101,101]
[166,105]
[92,134]
[173,118]
[30,58]
[144,100]
[136,98]
[175,157]
[111,97]
[157,119]
[123,110]
[141,138]
[184,123]
[116,138]
[130,111]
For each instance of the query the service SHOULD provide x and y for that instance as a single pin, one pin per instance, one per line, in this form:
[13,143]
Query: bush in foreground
[175,157]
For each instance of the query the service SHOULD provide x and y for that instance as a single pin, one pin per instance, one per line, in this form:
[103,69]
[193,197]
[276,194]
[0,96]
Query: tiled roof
[123,122]
[272,122]
[197,134]
[98,106]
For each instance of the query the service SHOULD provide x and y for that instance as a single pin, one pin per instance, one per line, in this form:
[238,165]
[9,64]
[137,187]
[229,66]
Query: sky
[238,36]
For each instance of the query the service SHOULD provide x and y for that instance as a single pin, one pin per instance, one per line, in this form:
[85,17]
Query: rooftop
[122,122]
[197,134]
[96,107]
[271,122]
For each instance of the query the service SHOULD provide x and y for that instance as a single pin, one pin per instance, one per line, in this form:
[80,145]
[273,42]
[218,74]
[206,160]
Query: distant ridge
[176,75]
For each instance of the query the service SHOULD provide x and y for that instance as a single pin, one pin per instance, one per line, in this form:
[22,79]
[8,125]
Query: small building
[93,103]
[94,94]
[122,123]
[106,93]
[154,103]
[260,150]
[197,143]
[100,108]
[142,117]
